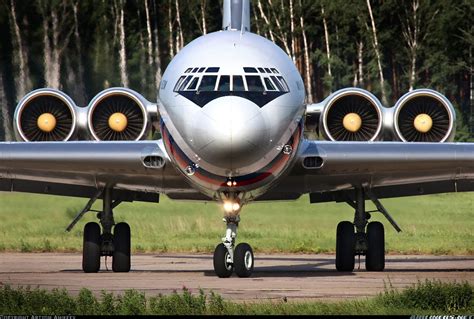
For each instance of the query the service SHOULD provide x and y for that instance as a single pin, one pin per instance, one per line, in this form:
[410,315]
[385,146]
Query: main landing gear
[228,257]
[367,239]
[97,244]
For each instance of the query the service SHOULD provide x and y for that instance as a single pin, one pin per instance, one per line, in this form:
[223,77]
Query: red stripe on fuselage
[221,182]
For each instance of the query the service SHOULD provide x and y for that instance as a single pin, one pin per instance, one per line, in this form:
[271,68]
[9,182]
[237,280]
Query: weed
[423,298]
[436,295]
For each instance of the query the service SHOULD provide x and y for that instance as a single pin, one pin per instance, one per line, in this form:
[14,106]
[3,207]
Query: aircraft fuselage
[231,112]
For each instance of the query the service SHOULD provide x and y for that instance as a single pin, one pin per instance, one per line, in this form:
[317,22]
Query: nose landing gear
[228,257]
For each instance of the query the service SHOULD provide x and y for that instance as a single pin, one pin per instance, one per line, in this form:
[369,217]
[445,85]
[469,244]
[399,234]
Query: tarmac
[275,277]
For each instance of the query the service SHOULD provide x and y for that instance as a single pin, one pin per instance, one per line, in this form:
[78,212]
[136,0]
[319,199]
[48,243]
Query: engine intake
[45,115]
[352,115]
[118,114]
[424,116]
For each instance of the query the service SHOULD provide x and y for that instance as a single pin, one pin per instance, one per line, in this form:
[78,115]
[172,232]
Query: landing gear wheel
[375,257]
[345,246]
[243,260]
[222,265]
[91,248]
[121,256]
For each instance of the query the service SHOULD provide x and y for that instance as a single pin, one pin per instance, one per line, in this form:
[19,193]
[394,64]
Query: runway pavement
[275,276]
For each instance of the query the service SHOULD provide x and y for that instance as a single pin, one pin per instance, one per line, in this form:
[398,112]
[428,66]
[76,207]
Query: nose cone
[233,135]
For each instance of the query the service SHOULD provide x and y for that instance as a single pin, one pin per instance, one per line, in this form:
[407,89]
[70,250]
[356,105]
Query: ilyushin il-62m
[231,111]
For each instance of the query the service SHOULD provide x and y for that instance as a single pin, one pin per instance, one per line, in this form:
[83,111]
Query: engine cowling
[351,114]
[118,114]
[424,115]
[45,115]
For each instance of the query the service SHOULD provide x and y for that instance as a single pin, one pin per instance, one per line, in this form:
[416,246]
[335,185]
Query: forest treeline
[388,46]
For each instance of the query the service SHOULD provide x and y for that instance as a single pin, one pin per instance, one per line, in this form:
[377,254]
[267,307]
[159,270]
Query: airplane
[231,111]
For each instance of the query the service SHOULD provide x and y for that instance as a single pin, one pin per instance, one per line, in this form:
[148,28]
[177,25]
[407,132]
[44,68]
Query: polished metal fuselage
[231,138]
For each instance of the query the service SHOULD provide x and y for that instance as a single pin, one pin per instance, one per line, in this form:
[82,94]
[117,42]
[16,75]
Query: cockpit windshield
[256,83]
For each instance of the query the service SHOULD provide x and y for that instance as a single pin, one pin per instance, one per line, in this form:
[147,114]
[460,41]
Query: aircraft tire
[345,246]
[375,256]
[122,243]
[91,248]
[221,267]
[243,260]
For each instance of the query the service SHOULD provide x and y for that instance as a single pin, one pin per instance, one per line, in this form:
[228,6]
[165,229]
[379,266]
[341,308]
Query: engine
[118,114]
[424,116]
[45,115]
[351,115]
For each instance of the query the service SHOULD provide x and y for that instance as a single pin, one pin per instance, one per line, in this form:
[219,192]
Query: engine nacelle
[424,115]
[118,114]
[351,114]
[45,115]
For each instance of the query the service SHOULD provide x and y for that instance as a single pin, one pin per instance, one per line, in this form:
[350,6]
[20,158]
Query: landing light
[231,207]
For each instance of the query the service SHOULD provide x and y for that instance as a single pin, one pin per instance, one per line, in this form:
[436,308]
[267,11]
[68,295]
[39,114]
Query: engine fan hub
[118,122]
[352,122]
[46,122]
[423,123]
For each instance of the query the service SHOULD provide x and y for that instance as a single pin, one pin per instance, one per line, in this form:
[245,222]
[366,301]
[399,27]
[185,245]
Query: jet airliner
[231,111]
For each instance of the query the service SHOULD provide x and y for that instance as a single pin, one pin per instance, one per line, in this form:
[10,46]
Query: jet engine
[45,115]
[118,114]
[424,116]
[351,114]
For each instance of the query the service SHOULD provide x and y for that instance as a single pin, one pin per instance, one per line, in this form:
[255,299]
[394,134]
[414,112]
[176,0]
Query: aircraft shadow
[290,258]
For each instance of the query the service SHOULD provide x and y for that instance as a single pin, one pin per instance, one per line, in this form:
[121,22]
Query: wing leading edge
[136,170]
[329,171]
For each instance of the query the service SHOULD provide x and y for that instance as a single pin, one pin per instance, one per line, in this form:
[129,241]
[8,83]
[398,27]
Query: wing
[329,171]
[138,170]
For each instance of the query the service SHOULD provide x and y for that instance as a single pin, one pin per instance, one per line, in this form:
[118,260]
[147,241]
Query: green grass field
[437,224]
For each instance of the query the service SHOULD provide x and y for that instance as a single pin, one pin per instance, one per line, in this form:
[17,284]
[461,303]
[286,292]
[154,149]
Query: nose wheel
[243,260]
[223,265]
[228,258]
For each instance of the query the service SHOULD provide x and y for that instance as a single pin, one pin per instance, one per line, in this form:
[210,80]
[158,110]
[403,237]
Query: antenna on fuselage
[236,15]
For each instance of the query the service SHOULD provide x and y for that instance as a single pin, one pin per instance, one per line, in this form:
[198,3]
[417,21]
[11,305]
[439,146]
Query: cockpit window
[238,84]
[250,70]
[283,82]
[212,70]
[179,83]
[254,83]
[269,85]
[278,84]
[208,83]
[260,85]
[185,82]
[224,83]
[193,85]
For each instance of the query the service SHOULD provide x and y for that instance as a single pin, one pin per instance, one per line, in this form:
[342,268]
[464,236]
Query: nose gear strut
[228,257]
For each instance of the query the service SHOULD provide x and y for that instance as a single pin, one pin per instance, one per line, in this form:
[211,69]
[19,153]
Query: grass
[430,297]
[436,224]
